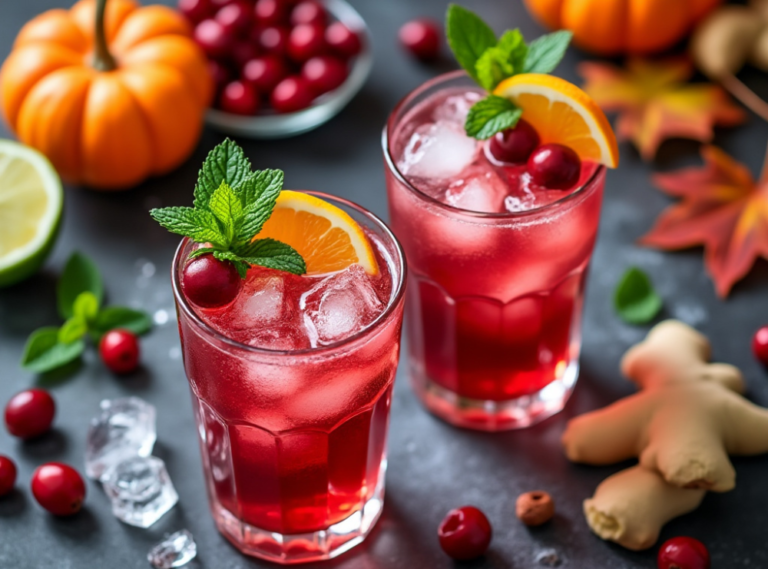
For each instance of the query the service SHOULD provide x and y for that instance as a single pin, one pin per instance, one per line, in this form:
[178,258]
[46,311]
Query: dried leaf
[654,102]
[721,208]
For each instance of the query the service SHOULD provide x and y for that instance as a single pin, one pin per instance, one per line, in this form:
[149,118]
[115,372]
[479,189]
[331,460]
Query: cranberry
[760,345]
[421,38]
[465,533]
[211,37]
[514,145]
[342,40]
[210,283]
[120,351]
[273,39]
[58,488]
[240,98]
[265,72]
[220,73]
[270,12]
[683,553]
[243,52]
[306,41]
[7,475]
[324,73]
[30,413]
[554,166]
[309,12]
[235,18]
[195,10]
[291,94]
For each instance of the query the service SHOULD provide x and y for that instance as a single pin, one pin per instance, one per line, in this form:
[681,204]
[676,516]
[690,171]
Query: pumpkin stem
[747,96]
[102,59]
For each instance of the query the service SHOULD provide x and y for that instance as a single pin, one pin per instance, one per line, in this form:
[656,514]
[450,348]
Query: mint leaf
[200,252]
[512,43]
[260,209]
[43,352]
[469,37]
[73,329]
[274,255]
[491,115]
[635,300]
[80,275]
[113,317]
[241,265]
[227,208]
[199,225]
[86,306]
[545,53]
[492,68]
[259,183]
[225,163]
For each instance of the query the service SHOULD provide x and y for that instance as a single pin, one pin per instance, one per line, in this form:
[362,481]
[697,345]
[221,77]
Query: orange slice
[562,113]
[326,236]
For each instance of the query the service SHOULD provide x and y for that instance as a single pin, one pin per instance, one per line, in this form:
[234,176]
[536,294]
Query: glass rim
[392,165]
[395,299]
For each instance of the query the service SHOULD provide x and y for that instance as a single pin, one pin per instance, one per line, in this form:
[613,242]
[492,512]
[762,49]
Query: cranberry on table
[265,72]
[309,12]
[421,38]
[324,73]
[7,475]
[306,41]
[465,533]
[210,283]
[58,488]
[683,553]
[516,144]
[554,166]
[760,345]
[119,350]
[239,98]
[273,39]
[211,37]
[195,10]
[270,12]
[30,413]
[291,94]
[235,18]
[342,41]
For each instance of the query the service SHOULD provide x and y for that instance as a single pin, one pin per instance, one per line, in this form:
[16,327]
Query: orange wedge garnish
[325,236]
[562,113]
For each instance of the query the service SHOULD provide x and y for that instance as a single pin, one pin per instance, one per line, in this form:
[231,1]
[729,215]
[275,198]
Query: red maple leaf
[723,209]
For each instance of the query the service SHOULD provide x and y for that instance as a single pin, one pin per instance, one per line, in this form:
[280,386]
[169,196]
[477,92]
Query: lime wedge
[31,199]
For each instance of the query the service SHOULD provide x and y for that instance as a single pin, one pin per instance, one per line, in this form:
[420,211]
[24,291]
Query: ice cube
[261,303]
[339,306]
[438,150]
[174,551]
[125,428]
[456,107]
[140,490]
[483,192]
[278,337]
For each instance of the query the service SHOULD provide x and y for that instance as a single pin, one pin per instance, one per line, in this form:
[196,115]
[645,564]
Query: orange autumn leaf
[654,102]
[721,208]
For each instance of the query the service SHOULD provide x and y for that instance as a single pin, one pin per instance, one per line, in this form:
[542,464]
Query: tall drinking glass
[294,441]
[494,298]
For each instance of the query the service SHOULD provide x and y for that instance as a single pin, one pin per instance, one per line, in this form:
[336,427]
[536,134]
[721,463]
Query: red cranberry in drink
[239,98]
[291,94]
[210,283]
[220,73]
[308,12]
[421,38]
[119,350]
[30,413]
[465,533]
[242,52]
[554,166]
[342,41]
[211,37]
[306,41]
[324,73]
[58,488]
[270,12]
[683,553]
[265,72]
[514,145]
[235,18]
[273,39]
[7,475]
[195,10]
[760,345]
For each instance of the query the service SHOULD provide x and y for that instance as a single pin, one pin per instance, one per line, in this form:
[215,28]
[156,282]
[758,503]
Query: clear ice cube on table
[174,551]
[140,490]
[124,428]
[438,151]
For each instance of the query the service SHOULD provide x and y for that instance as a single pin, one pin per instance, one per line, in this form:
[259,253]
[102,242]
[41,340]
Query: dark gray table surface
[432,467]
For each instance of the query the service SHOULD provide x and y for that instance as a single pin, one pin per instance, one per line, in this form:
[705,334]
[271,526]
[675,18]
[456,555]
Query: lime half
[31,199]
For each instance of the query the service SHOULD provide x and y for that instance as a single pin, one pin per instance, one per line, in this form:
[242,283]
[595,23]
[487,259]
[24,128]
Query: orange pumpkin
[611,27]
[111,92]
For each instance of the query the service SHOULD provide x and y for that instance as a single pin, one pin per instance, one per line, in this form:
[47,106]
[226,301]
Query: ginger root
[682,425]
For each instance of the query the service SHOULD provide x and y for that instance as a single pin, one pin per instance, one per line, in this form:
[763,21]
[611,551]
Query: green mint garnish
[79,293]
[231,205]
[635,300]
[489,61]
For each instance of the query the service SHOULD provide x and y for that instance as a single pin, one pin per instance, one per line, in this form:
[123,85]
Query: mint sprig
[79,293]
[489,61]
[635,300]
[231,206]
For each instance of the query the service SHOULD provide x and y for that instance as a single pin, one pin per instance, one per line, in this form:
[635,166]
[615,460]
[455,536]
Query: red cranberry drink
[290,339]
[496,199]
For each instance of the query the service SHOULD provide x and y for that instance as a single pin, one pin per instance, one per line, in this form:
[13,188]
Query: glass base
[304,547]
[496,415]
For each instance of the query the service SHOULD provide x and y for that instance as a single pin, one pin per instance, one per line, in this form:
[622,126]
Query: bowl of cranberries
[281,67]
